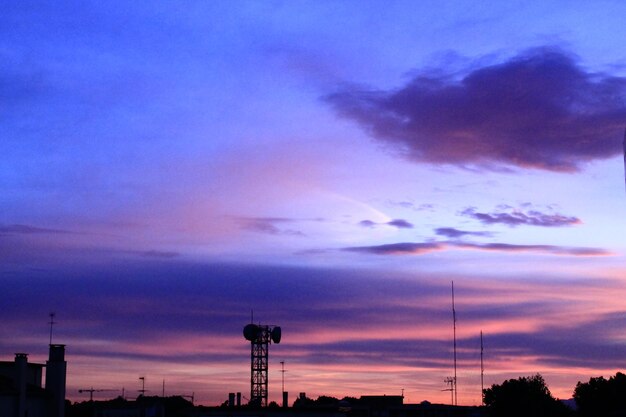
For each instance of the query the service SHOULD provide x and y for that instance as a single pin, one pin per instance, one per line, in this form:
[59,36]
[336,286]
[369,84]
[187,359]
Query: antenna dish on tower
[276,334]
[251,332]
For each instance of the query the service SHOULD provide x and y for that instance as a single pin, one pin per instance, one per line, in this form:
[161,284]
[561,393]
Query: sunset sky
[168,167]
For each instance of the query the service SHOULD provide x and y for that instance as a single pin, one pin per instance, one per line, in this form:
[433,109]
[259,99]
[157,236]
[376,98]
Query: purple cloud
[411,205]
[415,248]
[158,254]
[541,109]
[549,343]
[453,233]
[28,230]
[515,217]
[404,204]
[190,301]
[546,249]
[399,223]
[268,225]
[367,223]
[398,248]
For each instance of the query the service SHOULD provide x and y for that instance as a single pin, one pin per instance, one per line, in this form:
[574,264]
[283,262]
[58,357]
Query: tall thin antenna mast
[624,145]
[456,401]
[482,371]
[282,371]
[51,323]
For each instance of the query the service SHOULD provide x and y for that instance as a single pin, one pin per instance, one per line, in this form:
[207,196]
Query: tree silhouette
[601,397]
[325,400]
[302,402]
[523,397]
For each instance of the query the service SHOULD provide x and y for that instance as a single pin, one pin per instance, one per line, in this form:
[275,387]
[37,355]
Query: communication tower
[260,337]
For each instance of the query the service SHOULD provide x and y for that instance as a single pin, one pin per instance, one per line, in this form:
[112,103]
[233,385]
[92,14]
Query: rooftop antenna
[143,385]
[454,385]
[189,396]
[92,390]
[482,371]
[450,381]
[51,323]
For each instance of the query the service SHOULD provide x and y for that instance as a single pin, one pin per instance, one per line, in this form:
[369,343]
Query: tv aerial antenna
[191,397]
[143,389]
[450,381]
[92,390]
[51,323]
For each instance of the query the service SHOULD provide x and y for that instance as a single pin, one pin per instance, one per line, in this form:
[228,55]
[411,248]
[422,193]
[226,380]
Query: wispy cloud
[540,109]
[268,225]
[158,254]
[398,248]
[399,223]
[416,248]
[29,230]
[545,249]
[453,233]
[516,217]
[411,205]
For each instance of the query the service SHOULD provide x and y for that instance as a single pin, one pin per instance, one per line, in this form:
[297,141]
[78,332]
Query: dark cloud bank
[540,109]
[143,301]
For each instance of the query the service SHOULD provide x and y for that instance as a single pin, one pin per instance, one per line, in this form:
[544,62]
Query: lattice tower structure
[259,365]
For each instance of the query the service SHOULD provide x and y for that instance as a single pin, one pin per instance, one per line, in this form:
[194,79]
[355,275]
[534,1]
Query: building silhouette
[21,391]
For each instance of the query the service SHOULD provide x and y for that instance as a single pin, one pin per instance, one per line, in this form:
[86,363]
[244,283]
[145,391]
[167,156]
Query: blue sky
[332,165]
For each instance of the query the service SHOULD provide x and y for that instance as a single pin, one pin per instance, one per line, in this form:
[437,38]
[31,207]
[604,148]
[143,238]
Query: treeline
[530,397]
[142,406]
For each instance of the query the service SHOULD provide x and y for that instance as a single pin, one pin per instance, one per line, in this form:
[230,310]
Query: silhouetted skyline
[167,168]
